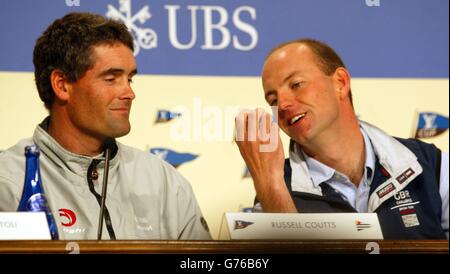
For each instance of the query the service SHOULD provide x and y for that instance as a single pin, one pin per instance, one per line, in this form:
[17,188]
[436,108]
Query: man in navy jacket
[338,163]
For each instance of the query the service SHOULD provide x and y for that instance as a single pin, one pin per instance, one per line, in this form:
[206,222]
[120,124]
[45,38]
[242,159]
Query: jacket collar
[400,162]
[61,157]
[397,159]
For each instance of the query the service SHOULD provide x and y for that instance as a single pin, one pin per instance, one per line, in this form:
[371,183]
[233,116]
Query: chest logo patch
[68,217]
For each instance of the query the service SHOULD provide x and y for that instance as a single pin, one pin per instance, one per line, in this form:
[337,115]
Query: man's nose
[285,99]
[128,92]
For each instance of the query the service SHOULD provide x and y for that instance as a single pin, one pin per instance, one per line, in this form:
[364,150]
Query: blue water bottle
[33,197]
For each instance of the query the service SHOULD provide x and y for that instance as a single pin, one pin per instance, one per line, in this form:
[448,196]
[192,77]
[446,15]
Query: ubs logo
[220,27]
[145,38]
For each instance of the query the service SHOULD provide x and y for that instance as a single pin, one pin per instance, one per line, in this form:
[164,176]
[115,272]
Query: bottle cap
[32,150]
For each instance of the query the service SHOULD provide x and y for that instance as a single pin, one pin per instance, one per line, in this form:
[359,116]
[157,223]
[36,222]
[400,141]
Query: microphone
[108,146]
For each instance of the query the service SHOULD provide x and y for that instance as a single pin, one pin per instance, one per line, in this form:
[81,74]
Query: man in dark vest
[337,162]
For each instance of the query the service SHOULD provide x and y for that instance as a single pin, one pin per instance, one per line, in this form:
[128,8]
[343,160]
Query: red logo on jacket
[69,215]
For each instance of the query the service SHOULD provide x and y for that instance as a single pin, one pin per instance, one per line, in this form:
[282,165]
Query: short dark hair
[327,58]
[67,45]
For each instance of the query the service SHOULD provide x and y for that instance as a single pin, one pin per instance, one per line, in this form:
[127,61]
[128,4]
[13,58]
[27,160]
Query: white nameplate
[24,226]
[239,226]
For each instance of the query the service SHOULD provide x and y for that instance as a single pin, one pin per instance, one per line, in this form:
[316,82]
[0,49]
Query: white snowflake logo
[145,38]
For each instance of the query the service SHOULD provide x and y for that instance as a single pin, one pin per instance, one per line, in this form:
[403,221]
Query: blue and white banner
[172,157]
[164,116]
[430,124]
[376,38]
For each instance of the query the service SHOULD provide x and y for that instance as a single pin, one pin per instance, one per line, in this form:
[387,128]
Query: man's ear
[342,82]
[60,85]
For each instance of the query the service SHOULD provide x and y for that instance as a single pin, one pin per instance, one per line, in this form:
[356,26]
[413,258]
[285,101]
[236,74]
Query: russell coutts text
[302,225]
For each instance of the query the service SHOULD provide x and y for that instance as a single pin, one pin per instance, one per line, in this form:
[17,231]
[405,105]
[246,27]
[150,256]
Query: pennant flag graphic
[239,224]
[172,157]
[163,116]
[361,225]
[430,124]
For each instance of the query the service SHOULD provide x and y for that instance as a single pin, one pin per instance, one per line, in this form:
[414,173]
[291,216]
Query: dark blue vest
[420,221]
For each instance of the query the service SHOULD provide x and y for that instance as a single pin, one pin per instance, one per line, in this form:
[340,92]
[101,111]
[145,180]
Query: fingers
[273,139]
[241,122]
[259,143]
[253,125]
[265,123]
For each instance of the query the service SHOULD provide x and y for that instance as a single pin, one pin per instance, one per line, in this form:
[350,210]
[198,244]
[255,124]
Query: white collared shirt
[355,196]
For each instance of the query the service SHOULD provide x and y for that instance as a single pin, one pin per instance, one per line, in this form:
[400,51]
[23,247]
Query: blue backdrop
[398,38]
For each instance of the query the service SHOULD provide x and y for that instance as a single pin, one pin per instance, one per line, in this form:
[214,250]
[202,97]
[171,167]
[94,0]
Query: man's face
[306,98]
[100,101]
